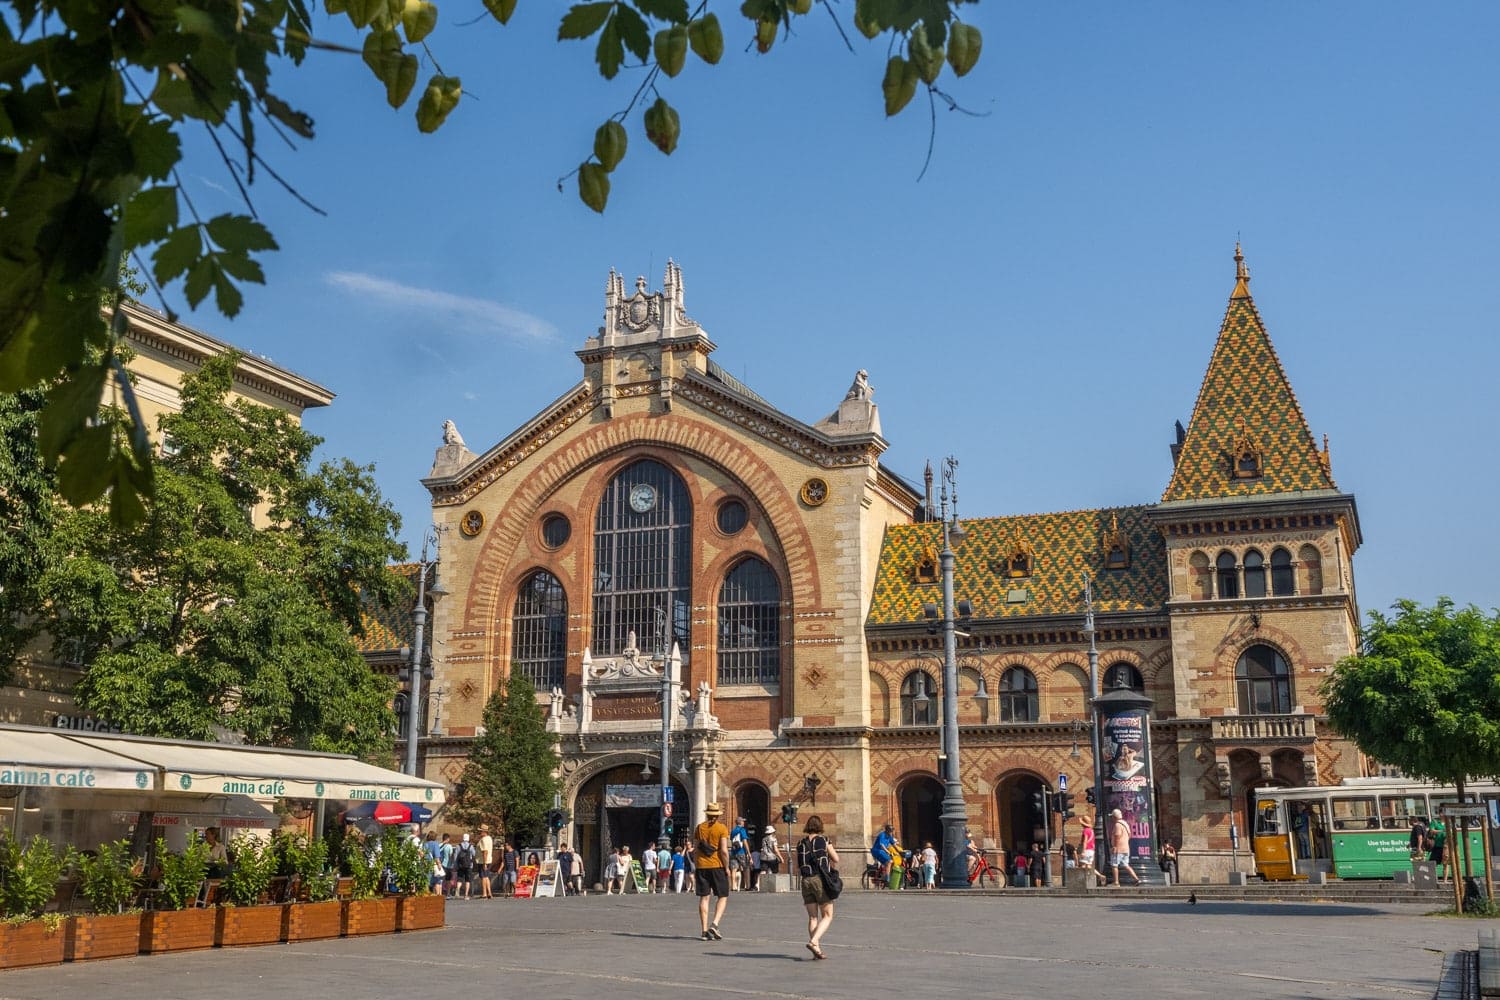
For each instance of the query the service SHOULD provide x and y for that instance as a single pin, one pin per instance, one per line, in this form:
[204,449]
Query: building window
[1018,701]
[1228,575]
[539,630]
[1124,675]
[1264,682]
[556,530]
[1312,569]
[1255,574]
[732,517]
[1200,576]
[643,537]
[918,699]
[750,625]
[1282,580]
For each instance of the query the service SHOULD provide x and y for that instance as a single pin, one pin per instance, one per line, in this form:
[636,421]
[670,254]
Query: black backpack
[465,856]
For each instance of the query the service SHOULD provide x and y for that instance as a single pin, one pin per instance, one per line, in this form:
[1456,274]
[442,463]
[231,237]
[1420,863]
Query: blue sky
[1041,305]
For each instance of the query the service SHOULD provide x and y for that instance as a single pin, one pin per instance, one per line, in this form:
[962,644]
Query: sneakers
[707,936]
[713,933]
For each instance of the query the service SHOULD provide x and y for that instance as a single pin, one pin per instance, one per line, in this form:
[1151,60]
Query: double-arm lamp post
[417,664]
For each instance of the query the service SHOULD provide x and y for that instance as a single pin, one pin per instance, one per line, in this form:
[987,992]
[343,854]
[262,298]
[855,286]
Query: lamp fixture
[646,771]
[983,694]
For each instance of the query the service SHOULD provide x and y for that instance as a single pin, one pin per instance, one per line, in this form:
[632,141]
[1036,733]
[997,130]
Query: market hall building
[661,513]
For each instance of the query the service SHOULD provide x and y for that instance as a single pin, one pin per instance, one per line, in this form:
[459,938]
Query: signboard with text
[525,881]
[546,880]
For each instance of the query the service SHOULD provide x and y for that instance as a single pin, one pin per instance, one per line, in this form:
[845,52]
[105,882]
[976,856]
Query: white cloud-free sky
[1041,305]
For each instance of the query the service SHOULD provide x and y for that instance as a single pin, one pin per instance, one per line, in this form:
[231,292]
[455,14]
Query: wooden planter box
[102,935]
[30,943]
[420,913]
[313,921]
[177,930]
[370,916]
[241,925]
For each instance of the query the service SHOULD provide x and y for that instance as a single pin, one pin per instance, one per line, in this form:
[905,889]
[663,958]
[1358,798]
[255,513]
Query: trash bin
[1424,874]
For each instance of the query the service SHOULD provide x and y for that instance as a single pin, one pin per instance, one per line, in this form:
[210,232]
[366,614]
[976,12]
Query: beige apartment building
[662,525]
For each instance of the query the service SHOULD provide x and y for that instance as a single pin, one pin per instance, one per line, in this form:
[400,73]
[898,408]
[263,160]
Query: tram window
[1265,817]
[1354,814]
[1398,812]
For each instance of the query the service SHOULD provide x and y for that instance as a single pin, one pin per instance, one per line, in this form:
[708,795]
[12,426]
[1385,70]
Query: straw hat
[713,809]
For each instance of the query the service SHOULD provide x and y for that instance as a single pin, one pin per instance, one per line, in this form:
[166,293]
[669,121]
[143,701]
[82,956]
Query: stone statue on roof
[450,433]
[861,387]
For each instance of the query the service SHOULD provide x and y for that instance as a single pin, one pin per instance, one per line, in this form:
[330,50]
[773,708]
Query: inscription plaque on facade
[625,708]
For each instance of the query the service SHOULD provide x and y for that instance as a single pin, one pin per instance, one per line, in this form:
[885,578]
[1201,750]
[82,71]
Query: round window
[555,531]
[732,516]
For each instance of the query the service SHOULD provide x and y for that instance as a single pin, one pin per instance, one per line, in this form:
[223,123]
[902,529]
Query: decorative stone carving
[628,665]
[450,433]
[454,455]
[1225,779]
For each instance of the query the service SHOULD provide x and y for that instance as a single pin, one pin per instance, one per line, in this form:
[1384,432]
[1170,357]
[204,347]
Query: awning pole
[317,833]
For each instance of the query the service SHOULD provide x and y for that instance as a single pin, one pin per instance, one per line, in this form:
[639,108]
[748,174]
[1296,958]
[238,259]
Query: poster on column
[1127,782]
[546,880]
[525,881]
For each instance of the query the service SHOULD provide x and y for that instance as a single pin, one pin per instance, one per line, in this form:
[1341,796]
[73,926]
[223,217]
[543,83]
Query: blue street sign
[1062,782]
[666,794]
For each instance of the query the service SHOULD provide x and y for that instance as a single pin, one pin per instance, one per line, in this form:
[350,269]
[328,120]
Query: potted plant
[316,914]
[179,923]
[107,879]
[247,919]
[417,908]
[366,912]
[28,880]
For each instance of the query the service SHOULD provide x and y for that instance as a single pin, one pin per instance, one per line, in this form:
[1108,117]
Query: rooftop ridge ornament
[1241,274]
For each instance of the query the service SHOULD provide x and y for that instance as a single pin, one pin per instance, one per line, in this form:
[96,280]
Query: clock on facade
[642,497]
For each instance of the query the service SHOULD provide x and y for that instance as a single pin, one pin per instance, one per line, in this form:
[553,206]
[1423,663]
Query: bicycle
[985,875]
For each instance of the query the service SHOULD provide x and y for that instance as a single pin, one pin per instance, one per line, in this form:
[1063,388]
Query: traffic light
[789,813]
[555,819]
[1064,802]
[666,827]
[1039,801]
[1088,796]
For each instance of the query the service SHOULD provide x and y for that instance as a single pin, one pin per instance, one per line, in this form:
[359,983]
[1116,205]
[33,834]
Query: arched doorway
[621,805]
[1022,821]
[920,805]
[752,801]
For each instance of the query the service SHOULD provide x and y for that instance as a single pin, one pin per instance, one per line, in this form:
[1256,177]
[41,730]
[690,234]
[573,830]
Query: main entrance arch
[620,805]
[920,799]
[1022,821]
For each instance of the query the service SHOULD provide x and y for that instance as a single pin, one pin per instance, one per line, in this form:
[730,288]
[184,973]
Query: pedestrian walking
[510,860]
[815,859]
[567,861]
[711,869]
[663,868]
[432,853]
[446,851]
[486,861]
[614,879]
[463,861]
[771,858]
[648,866]
[1119,848]
[1169,862]
[1437,846]
[739,839]
[754,880]
[1086,848]
[679,868]
[1037,866]
[929,866]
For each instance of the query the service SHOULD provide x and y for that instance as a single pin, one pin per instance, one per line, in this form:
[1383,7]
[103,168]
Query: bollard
[1238,878]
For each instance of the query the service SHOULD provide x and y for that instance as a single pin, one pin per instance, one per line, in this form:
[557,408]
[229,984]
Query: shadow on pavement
[1239,909]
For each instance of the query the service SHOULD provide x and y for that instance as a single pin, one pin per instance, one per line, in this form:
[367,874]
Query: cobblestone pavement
[907,945]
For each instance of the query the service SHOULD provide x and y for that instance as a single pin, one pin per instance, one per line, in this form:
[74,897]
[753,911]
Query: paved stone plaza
[908,946]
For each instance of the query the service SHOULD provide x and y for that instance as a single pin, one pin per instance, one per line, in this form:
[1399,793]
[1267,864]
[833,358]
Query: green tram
[1362,827]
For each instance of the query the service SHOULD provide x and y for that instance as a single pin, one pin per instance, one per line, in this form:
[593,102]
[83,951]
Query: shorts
[1086,858]
[1119,860]
[736,863]
[712,882]
[813,890]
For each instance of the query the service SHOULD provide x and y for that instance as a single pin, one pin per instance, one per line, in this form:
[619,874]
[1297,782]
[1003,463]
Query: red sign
[666,809]
[525,879]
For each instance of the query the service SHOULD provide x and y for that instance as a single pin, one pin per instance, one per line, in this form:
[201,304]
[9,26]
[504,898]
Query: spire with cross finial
[1241,274]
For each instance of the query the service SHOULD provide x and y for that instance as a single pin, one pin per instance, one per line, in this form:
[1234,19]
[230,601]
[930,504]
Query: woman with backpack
[818,864]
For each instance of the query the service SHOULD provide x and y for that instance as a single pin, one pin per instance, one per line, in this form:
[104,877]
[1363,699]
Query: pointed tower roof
[1248,436]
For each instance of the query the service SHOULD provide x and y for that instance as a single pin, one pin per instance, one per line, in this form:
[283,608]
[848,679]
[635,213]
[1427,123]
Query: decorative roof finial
[1241,274]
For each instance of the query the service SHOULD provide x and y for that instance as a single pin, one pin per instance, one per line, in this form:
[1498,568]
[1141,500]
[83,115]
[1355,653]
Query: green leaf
[867,19]
[298,121]
[671,49]
[85,467]
[609,144]
[899,85]
[634,32]
[707,39]
[177,253]
[438,100]
[593,186]
[675,11]
[582,20]
[363,12]
[610,52]
[149,216]
[240,232]
[418,19]
[501,10]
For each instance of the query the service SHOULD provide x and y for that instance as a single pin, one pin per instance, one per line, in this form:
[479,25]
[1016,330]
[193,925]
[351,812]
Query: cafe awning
[37,757]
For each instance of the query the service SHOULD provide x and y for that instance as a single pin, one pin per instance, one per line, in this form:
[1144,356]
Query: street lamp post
[416,665]
[670,665]
[955,815]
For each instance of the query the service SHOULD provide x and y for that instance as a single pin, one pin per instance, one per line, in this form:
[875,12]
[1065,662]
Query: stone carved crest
[629,665]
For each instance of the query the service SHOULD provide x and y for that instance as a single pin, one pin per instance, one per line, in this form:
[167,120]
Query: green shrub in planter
[28,875]
[364,866]
[407,864]
[107,877]
[250,875]
[181,874]
[310,862]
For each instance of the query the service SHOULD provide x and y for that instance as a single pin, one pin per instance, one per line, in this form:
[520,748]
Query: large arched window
[918,699]
[1018,701]
[1123,675]
[1264,682]
[643,537]
[539,630]
[1282,582]
[750,625]
[1228,576]
[1255,574]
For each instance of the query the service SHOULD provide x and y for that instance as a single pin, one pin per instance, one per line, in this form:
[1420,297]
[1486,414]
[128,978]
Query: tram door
[1492,820]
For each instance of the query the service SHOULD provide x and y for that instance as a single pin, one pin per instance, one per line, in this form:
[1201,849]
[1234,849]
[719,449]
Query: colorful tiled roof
[1246,402]
[387,629]
[1061,548]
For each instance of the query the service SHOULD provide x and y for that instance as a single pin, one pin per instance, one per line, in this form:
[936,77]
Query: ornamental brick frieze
[493,467]
[794,442]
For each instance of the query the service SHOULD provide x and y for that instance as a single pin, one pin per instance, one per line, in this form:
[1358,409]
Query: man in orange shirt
[711,857]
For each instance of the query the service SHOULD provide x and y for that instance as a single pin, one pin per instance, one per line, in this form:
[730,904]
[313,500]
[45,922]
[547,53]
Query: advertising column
[1125,749]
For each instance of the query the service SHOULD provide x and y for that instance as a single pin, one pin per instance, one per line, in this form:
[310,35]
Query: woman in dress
[815,855]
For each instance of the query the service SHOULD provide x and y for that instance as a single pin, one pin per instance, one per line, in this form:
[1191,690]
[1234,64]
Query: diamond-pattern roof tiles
[1060,548]
[386,628]
[1246,402]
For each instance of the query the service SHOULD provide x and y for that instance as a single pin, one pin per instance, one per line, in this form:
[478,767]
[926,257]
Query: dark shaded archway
[631,815]
[920,808]
[1022,821]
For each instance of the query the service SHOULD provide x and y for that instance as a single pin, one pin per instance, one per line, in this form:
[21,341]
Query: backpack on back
[465,856]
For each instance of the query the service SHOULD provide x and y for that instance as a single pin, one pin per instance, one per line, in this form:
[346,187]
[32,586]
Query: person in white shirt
[929,866]
[648,865]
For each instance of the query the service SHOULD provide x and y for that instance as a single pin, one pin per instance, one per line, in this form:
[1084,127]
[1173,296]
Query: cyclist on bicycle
[971,851]
[880,850]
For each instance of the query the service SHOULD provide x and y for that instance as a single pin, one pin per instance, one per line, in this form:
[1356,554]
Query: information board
[546,880]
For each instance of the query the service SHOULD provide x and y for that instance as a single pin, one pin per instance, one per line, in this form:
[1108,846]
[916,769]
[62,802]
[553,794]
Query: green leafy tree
[233,604]
[511,778]
[29,873]
[95,98]
[27,488]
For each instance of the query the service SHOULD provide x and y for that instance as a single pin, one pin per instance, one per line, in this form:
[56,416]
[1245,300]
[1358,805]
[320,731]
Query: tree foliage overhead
[1424,693]
[232,605]
[26,518]
[511,775]
[95,96]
